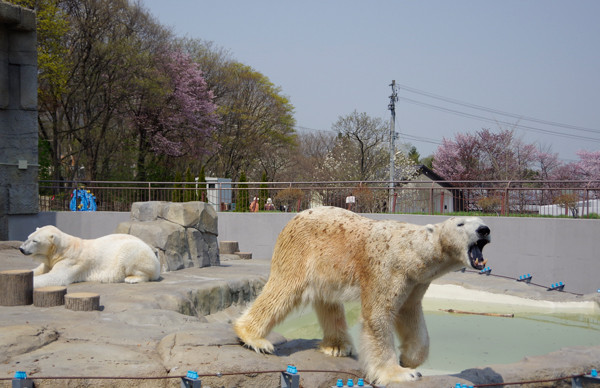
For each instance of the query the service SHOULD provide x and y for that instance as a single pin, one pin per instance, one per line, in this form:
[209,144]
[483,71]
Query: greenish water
[459,342]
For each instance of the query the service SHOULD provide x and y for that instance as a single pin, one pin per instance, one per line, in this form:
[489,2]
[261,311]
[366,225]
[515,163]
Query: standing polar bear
[67,259]
[329,255]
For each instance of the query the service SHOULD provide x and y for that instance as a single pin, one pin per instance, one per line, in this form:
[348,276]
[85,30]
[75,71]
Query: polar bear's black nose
[22,250]
[483,231]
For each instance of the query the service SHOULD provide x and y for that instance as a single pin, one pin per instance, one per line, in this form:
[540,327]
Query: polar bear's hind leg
[273,304]
[336,340]
[131,279]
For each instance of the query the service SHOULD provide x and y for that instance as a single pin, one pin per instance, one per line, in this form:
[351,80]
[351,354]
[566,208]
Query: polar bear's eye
[461,224]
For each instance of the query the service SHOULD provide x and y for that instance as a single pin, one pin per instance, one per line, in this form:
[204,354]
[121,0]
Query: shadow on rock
[296,345]
[300,345]
[480,376]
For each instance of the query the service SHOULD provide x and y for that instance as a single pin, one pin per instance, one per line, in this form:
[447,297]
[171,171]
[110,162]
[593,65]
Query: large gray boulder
[183,235]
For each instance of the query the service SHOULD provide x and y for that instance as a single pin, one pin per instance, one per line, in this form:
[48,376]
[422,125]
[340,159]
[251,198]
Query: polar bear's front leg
[412,330]
[50,279]
[377,352]
[62,274]
[40,269]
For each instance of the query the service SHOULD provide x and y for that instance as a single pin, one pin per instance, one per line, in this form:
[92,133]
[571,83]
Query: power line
[496,111]
[478,117]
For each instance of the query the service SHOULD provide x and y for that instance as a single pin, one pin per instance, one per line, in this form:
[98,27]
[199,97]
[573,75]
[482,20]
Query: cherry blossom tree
[588,167]
[485,155]
[174,114]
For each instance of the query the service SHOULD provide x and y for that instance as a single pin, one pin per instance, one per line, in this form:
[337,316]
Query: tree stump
[49,296]
[244,255]
[16,287]
[82,301]
[228,247]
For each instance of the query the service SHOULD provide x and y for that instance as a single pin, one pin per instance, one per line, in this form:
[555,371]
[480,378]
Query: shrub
[489,204]
[289,198]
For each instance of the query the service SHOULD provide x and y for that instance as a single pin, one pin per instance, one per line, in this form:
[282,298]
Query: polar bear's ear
[429,228]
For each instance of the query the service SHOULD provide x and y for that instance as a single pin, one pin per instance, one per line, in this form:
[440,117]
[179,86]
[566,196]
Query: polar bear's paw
[135,279]
[397,374]
[336,349]
[259,345]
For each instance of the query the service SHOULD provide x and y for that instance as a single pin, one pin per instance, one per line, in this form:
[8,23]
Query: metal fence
[549,198]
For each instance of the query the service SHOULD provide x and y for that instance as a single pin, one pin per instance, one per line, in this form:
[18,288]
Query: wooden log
[16,287]
[82,301]
[228,247]
[49,296]
[475,313]
[244,255]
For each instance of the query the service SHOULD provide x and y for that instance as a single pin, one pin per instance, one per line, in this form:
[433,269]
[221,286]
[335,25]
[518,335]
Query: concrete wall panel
[550,249]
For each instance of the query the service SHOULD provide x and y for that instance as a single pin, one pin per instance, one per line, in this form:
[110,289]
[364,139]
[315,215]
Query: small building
[219,193]
[429,193]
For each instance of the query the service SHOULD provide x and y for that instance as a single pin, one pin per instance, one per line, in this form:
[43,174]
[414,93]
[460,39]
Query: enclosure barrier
[290,378]
[545,198]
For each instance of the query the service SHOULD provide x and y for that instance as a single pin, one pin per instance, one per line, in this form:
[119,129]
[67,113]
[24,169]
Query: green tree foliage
[263,193]
[102,68]
[243,196]
[201,185]
[178,186]
[190,192]
[257,129]
[414,155]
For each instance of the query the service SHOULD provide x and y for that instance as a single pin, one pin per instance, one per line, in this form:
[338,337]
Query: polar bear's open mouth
[476,254]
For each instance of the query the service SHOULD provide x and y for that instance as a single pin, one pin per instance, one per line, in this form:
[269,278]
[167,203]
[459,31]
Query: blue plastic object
[192,375]
[486,270]
[594,373]
[525,278]
[82,201]
[20,375]
[350,383]
[360,383]
[292,369]
[557,286]
[340,383]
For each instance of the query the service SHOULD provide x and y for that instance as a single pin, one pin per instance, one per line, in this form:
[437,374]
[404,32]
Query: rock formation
[184,234]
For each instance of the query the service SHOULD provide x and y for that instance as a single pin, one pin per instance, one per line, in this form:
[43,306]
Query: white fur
[327,256]
[66,259]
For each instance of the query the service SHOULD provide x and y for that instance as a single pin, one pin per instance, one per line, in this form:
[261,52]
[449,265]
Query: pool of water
[460,341]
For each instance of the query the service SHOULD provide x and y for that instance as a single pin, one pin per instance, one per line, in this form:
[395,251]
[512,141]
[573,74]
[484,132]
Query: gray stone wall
[18,114]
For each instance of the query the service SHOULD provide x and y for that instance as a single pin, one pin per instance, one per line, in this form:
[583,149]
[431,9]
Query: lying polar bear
[329,255]
[67,259]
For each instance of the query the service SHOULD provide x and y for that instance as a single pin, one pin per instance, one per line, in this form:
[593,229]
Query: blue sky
[533,59]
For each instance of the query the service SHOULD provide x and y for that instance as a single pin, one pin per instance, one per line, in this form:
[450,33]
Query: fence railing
[552,198]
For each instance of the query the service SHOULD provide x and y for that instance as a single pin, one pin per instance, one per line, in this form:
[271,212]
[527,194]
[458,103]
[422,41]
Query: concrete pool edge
[486,301]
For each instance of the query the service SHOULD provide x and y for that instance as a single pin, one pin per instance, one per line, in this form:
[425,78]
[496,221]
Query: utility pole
[392,108]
